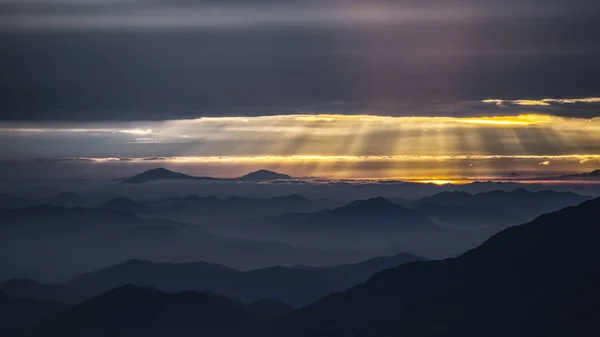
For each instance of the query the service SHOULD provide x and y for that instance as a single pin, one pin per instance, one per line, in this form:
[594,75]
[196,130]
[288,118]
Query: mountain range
[537,279]
[194,208]
[137,311]
[295,286]
[18,313]
[51,243]
[164,174]
[594,175]
[520,202]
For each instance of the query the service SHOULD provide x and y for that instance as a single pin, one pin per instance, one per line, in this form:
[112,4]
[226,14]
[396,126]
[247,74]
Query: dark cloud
[417,68]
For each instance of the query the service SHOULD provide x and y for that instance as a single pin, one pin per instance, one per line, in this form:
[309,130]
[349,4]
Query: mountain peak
[376,203]
[156,174]
[594,174]
[263,175]
[292,197]
[159,169]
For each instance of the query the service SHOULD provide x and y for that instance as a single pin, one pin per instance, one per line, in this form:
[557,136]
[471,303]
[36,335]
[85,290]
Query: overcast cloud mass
[128,79]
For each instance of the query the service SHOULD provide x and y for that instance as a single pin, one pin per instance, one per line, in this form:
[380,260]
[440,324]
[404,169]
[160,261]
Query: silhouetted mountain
[292,285]
[263,175]
[537,279]
[373,213]
[23,288]
[51,240]
[125,205]
[161,174]
[164,174]
[375,222]
[165,276]
[133,311]
[291,198]
[65,199]
[519,202]
[50,243]
[68,199]
[457,216]
[194,208]
[17,314]
[53,221]
[594,175]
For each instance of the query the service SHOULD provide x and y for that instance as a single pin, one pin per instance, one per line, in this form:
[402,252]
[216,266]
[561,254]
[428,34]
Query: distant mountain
[292,285]
[467,217]
[594,175]
[161,174]
[50,243]
[65,199]
[51,240]
[24,288]
[68,199]
[134,311]
[16,314]
[537,279]
[263,175]
[374,213]
[194,208]
[164,174]
[124,205]
[374,222]
[519,202]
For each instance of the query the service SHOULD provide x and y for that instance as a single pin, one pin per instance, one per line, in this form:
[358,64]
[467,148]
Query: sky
[337,89]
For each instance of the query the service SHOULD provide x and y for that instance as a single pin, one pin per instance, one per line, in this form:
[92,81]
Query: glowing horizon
[325,145]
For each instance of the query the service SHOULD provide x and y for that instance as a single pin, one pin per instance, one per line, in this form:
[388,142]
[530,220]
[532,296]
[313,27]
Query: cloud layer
[153,60]
[345,146]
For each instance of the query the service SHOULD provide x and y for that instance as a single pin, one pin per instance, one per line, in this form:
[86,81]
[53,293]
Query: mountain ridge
[160,173]
[511,285]
[291,285]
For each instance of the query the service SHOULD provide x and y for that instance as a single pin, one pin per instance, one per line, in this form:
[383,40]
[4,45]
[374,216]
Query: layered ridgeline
[164,174]
[17,314]
[537,279]
[50,243]
[135,311]
[365,224]
[296,286]
[518,203]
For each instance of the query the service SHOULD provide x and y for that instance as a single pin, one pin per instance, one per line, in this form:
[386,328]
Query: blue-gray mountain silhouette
[17,314]
[371,213]
[164,174]
[51,243]
[263,175]
[519,202]
[293,285]
[594,175]
[537,279]
[135,311]
[161,174]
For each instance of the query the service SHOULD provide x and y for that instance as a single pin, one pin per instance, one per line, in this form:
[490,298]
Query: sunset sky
[417,90]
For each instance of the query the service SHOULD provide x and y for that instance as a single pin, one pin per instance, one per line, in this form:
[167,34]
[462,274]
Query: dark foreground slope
[537,279]
[18,313]
[134,311]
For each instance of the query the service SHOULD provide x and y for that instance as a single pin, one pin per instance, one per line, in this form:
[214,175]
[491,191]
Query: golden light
[436,150]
